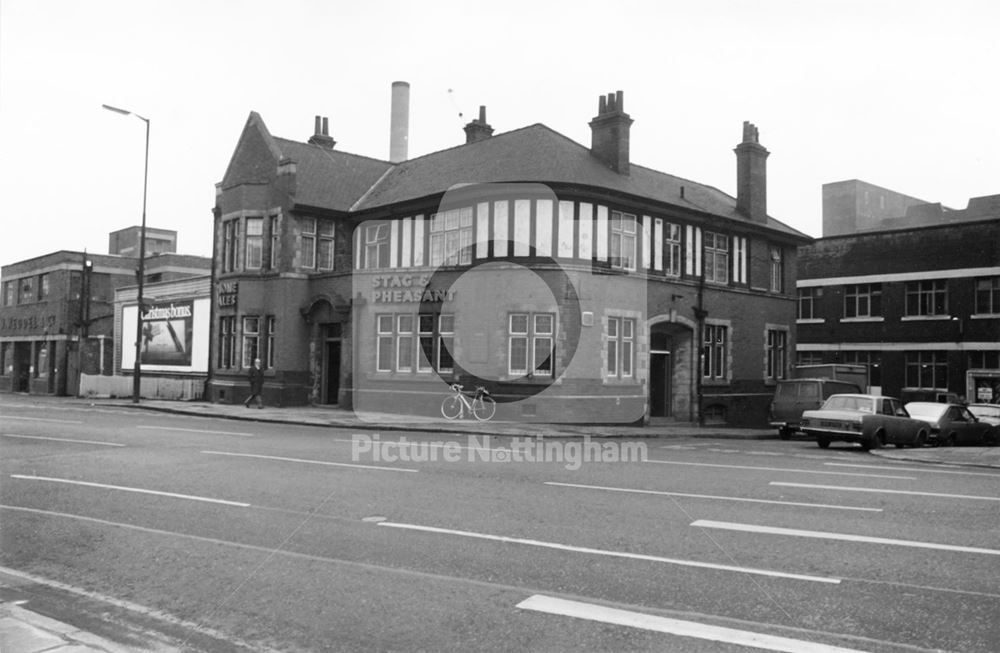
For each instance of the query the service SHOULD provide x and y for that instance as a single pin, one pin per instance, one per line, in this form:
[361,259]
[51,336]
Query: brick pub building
[572,283]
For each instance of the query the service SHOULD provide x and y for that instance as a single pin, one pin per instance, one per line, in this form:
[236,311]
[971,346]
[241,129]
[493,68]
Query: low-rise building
[916,297]
[572,283]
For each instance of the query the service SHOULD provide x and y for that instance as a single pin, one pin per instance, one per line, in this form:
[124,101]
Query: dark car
[952,424]
[989,413]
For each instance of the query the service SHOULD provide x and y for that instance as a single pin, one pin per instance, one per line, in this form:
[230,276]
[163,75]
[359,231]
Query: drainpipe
[700,314]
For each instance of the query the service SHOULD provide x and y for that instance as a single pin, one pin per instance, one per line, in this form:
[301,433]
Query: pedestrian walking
[256,376]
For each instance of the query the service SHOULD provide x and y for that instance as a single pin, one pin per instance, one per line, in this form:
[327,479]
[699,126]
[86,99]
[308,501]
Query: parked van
[793,396]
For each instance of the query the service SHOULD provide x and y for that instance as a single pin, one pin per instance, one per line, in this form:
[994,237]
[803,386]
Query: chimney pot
[610,133]
[751,175]
[321,134]
[478,129]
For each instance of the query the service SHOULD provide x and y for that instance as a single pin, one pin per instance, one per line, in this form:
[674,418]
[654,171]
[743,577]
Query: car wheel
[785,433]
[823,442]
[948,441]
[921,439]
[874,442]
[899,445]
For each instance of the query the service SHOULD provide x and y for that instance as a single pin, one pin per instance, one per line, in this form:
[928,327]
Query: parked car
[989,413]
[795,396]
[869,420]
[952,424]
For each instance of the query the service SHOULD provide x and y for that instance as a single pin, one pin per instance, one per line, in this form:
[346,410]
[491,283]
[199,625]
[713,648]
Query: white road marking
[44,419]
[605,552]
[843,537]
[778,469]
[879,491]
[311,462]
[679,627]
[174,495]
[397,570]
[174,428]
[712,496]
[929,470]
[44,437]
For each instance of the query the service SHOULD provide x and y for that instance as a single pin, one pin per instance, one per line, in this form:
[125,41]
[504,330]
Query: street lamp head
[125,112]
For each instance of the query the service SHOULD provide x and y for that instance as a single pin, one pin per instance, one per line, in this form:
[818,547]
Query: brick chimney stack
[751,175]
[322,135]
[478,129]
[610,133]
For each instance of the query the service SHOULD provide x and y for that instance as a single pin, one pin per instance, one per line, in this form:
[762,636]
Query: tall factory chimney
[399,127]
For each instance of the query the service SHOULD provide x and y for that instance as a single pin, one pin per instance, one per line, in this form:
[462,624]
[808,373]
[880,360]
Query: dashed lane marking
[843,537]
[778,469]
[678,627]
[307,461]
[123,488]
[74,441]
[43,419]
[203,431]
[605,552]
[712,496]
[881,491]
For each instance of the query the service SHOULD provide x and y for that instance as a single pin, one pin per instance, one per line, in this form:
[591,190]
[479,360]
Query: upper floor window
[530,343]
[317,244]
[863,300]
[9,290]
[255,243]
[777,270]
[376,246]
[27,291]
[672,253]
[988,295]
[927,297]
[715,351]
[229,236]
[623,242]
[272,226]
[716,263]
[43,286]
[807,302]
[451,237]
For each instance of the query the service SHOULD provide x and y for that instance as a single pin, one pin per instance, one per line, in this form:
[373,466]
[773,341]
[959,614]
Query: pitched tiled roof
[539,154]
[330,178]
[348,182]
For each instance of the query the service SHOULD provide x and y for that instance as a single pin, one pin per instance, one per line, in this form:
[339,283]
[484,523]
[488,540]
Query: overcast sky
[900,94]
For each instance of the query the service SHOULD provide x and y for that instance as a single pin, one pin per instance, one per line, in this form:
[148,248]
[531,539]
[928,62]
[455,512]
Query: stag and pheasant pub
[574,284]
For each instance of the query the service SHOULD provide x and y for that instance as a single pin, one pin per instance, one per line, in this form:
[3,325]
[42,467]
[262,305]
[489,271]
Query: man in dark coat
[256,376]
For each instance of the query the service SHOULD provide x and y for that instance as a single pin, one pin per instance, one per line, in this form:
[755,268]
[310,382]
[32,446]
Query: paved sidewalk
[24,631]
[337,417]
[964,456]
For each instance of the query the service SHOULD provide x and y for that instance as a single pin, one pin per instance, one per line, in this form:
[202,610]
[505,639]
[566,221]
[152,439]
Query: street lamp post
[141,273]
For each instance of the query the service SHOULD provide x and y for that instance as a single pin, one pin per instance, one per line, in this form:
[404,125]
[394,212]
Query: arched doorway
[671,367]
[329,318]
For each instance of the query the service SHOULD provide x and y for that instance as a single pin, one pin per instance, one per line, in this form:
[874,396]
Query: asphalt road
[218,535]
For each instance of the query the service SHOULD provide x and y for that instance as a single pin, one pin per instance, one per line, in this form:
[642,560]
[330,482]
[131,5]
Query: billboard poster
[167,334]
[174,336]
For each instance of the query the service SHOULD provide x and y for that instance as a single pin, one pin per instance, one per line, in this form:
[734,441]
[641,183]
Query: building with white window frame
[573,284]
[916,296]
